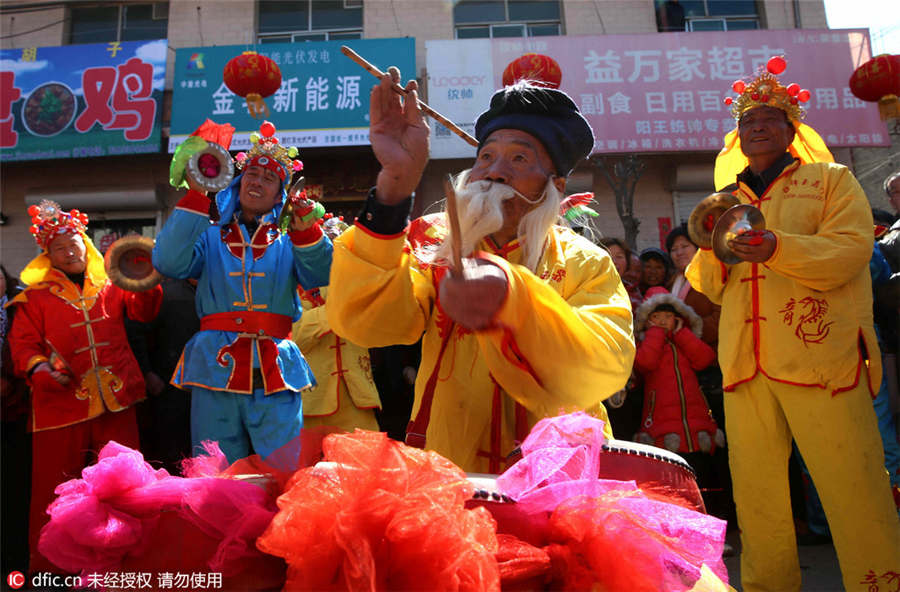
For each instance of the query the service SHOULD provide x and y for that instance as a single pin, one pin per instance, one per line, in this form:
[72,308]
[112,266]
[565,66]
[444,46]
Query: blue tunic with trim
[237,272]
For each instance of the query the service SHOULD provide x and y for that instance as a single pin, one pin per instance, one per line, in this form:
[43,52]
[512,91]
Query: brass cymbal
[734,222]
[705,215]
[129,265]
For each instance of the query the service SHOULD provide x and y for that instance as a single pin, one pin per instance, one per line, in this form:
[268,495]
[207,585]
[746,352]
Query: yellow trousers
[839,440]
[347,417]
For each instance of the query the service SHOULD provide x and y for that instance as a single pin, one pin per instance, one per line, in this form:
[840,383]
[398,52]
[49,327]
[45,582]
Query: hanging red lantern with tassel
[878,81]
[253,77]
[536,68]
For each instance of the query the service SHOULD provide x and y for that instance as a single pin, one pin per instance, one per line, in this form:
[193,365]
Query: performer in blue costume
[244,371]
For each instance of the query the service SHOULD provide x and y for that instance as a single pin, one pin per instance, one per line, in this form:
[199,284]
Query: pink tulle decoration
[240,156]
[113,514]
[606,532]
[298,165]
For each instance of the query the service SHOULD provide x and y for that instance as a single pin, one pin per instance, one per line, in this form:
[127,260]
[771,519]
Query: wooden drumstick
[400,90]
[453,219]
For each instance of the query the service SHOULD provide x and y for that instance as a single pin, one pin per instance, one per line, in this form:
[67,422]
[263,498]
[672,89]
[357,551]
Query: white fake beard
[480,208]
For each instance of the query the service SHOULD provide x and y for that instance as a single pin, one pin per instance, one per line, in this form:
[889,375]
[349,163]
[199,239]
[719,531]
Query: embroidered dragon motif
[809,314]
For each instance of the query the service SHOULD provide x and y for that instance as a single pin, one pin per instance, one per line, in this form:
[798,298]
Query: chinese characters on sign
[162,581]
[85,100]
[653,92]
[322,101]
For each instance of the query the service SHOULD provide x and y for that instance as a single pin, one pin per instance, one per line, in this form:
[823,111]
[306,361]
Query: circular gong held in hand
[211,168]
[129,265]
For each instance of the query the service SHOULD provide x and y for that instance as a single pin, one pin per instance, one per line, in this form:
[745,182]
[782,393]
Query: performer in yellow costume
[345,396]
[537,323]
[797,346]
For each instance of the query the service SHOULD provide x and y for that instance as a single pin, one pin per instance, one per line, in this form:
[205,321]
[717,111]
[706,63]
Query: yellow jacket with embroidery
[804,316]
[332,359]
[563,338]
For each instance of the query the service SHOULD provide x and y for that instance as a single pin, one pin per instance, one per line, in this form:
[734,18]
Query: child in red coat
[676,415]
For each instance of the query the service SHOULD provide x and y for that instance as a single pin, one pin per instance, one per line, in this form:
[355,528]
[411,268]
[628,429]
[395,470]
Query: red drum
[658,472]
[655,470]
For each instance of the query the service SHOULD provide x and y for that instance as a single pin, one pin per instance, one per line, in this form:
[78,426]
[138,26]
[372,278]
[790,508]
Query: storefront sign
[323,99]
[81,100]
[660,92]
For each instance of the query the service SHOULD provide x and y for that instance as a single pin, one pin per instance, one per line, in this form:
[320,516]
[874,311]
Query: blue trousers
[243,424]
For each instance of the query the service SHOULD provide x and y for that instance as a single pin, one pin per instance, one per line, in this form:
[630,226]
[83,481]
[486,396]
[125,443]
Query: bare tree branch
[622,175]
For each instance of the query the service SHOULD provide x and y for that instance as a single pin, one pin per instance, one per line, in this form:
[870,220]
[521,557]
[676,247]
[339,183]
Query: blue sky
[882,21]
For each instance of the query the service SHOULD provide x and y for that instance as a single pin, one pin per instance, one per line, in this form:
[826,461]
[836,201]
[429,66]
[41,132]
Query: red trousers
[59,455]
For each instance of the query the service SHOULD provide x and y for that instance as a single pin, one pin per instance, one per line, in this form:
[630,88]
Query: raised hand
[399,136]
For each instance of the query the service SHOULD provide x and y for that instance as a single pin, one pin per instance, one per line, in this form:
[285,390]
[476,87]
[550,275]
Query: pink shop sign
[664,92]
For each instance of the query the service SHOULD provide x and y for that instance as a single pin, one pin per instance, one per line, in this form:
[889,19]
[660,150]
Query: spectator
[621,256]
[657,269]
[634,273]
[675,414]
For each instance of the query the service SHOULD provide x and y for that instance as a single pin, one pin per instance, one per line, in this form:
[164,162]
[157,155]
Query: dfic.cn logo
[15,579]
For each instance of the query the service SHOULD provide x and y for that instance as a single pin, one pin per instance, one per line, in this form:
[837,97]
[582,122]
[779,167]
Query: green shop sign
[323,99]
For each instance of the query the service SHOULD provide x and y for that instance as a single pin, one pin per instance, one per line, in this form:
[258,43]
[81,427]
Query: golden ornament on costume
[48,220]
[766,90]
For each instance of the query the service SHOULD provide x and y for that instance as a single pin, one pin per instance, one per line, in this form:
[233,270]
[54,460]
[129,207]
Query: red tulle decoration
[384,516]
[803,95]
[738,86]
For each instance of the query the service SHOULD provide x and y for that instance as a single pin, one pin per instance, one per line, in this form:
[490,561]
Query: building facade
[130,193]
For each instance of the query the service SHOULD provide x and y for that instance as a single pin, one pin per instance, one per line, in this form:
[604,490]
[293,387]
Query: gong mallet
[369,67]
[453,220]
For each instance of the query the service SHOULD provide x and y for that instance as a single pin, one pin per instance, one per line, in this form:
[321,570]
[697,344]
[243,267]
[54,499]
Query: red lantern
[253,77]
[878,81]
[534,67]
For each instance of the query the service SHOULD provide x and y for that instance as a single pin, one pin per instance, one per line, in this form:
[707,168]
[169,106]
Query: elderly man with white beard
[538,322]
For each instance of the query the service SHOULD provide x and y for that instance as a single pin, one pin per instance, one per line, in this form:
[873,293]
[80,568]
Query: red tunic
[82,334]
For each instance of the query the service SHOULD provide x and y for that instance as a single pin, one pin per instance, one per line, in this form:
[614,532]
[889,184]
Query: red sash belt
[254,322]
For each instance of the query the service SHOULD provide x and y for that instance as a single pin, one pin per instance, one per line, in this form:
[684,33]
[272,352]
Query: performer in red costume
[68,339]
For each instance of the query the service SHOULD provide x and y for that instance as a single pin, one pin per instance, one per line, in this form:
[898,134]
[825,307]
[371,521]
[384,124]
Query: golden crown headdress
[268,152]
[766,90]
[48,221]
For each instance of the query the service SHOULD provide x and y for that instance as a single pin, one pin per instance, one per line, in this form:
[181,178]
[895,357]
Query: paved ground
[819,564]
